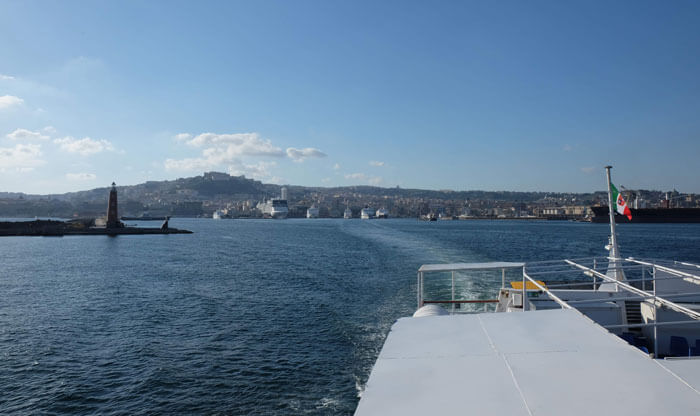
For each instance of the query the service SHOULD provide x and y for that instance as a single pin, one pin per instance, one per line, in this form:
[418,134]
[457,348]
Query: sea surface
[245,316]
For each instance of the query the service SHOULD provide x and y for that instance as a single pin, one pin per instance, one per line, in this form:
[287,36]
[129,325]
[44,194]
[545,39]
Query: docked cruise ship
[274,208]
[312,212]
[607,335]
[367,213]
[382,213]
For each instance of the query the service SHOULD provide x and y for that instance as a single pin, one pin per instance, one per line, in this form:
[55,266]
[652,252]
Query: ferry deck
[585,342]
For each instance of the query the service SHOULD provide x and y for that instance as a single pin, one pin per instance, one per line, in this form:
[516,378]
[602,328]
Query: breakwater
[54,228]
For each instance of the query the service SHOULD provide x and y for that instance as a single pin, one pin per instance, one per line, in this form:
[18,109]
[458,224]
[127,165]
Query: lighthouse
[112,216]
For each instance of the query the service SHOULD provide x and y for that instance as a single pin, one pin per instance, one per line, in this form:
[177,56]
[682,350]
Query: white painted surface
[688,369]
[553,362]
[430,310]
[468,266]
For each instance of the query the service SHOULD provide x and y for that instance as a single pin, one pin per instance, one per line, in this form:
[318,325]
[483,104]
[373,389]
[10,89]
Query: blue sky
[505,95]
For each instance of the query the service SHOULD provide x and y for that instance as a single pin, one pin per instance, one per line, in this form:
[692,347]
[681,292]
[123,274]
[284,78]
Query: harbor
[350,208]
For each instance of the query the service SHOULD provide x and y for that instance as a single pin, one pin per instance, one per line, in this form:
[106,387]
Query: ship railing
[596,271]
[630,292]
[629,264]
[455,270]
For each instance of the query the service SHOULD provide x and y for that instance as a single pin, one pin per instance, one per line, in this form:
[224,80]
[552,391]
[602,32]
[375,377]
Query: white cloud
[6,77]
[80,176]
[227,149]
[183,137]
[588,169]
[49,129]
[299,155]
[336,166]
[361,177]
[376,163]
[237,144]
[188,164]
[85,146]
[326,180]
[567,148]
[21,157]
[222,149]
[26,135]
[259,170]
[231,150]
[7,101]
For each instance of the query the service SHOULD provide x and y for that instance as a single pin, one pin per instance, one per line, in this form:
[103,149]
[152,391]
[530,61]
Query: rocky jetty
[54,228]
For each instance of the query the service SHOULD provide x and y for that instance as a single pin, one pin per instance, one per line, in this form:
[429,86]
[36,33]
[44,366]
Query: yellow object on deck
[529,285]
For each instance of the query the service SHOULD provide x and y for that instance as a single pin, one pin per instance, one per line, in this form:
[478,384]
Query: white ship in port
[218,214]
[347,214]
[367,213]
[276,207]
[609,335]
[312,212]
[382,213]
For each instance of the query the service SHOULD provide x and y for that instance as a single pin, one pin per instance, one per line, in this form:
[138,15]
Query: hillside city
[239,197]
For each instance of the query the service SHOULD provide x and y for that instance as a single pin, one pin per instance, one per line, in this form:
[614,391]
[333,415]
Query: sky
[491,95]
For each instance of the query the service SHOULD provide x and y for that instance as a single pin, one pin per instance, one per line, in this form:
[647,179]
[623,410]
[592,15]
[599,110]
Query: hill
[201,195]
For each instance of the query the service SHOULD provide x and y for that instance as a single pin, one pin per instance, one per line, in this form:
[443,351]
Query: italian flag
[620,204]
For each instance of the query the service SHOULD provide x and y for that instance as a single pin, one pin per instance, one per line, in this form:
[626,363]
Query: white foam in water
[359,387]
[328,402]
[418,245]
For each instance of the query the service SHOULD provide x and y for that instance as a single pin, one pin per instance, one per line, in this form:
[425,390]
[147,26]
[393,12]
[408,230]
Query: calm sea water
[244,316]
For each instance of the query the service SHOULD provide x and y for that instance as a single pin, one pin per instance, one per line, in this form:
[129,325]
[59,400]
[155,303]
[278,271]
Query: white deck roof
[468,266]
[554,362]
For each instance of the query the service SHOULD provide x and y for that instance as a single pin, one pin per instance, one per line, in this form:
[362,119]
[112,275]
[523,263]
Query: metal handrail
[577,283]
[665,269]
[598,275]
[653,324]
[502,267]
[462,301]
[633,289]
[554,297]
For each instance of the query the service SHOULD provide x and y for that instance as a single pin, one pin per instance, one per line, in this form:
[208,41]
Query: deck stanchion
[418,291]
[656,335]
[422,288]
[503,278]
[453,291]
[595,265]
[524,292]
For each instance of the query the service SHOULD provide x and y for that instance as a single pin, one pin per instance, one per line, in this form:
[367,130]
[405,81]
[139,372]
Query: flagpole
[611,210]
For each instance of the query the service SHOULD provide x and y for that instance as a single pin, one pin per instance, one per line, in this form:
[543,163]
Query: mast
[614,264]
[614,251]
